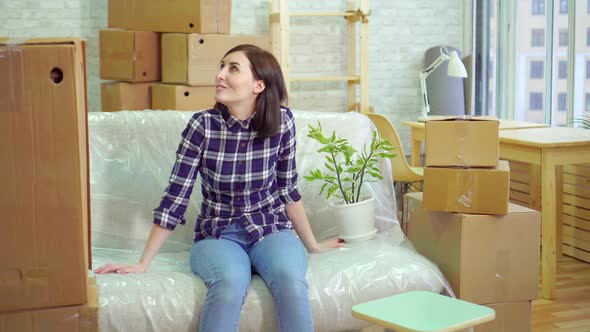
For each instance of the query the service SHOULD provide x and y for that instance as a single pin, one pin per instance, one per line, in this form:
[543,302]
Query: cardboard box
[469,190]
[44,198]
[82,318]
[193,59]
[464,142]
[182,97]
[188,16]
[121,96]
[131,56]
[486,259]
[510,317]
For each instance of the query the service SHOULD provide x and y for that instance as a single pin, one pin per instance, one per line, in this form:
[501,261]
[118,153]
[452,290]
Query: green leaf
[323,187]
[377,175]
[332,190]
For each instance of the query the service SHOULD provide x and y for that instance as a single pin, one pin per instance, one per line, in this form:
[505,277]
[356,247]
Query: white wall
[400,32]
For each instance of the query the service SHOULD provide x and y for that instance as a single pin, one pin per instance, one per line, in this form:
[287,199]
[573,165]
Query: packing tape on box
[464,180]
[460,133]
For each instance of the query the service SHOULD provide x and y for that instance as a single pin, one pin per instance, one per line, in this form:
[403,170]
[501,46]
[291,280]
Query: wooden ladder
[279,44]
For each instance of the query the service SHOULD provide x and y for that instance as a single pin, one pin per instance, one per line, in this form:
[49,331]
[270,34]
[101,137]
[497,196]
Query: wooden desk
[418,134]
[548,148]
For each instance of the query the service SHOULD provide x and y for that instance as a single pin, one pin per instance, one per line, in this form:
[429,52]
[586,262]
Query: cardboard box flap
[462,118]
[39,41]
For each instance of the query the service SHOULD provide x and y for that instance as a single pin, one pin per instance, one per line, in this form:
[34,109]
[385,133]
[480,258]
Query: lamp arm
[425,102]
[423,75]
[439,61]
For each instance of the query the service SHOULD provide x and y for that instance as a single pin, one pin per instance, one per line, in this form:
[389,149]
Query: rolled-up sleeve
[286,165]
[173,205]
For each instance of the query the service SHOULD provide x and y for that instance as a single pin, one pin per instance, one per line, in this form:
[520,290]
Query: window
[563,37]
[521,67]
[562,70]
[536,101]
[537,69]
[538,38]
[538,7]
[563,6]
[561,101]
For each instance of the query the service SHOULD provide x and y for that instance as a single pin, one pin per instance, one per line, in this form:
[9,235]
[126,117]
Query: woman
[244,150]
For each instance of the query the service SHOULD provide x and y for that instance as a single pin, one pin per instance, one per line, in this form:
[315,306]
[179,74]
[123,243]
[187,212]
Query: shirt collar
[233,123]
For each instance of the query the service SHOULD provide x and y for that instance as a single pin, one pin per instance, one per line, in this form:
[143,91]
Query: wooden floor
[570,310]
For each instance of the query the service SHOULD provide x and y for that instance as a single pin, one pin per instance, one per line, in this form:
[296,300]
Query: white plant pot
[356,221]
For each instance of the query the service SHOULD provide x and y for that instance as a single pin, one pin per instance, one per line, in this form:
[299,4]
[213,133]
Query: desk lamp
[455,68]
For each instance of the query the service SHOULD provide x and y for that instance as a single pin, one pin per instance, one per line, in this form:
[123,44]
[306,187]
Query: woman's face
[235,83]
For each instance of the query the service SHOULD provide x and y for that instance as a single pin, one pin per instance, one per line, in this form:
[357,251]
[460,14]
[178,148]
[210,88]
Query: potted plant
[347,172]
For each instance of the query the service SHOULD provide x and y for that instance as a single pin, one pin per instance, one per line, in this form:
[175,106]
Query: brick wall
[400,32]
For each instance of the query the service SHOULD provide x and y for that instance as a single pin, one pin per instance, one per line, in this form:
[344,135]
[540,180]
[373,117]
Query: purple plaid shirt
[244,179]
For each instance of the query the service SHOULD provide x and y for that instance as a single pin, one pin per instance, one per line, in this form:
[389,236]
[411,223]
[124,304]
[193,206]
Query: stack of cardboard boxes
[166,54]
[487,248]
[44,255]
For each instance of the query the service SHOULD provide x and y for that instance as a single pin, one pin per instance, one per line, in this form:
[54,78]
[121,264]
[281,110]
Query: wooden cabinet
[525,190]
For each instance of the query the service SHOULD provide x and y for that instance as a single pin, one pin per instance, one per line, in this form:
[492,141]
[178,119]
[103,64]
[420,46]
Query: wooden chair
[402,172]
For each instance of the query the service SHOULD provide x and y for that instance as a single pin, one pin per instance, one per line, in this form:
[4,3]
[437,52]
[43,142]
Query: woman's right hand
[121,268]
[158,236]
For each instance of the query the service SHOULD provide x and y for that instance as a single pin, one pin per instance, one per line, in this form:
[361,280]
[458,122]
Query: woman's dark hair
[267,107]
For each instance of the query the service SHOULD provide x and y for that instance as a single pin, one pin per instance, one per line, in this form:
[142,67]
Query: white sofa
[131,155]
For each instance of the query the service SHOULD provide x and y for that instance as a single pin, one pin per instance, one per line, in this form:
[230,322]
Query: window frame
[506,94]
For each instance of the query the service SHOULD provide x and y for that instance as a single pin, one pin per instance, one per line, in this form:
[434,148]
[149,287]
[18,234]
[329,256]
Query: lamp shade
[455,67]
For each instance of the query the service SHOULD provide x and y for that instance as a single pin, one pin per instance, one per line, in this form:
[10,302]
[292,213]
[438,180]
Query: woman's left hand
[329,244]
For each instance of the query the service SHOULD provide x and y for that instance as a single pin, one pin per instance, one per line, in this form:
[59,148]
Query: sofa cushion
[169,296]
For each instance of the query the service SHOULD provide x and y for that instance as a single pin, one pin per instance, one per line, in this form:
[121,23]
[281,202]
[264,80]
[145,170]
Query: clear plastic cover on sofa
[131,156]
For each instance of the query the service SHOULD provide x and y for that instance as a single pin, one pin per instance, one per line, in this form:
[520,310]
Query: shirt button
[239,199]
[246,223]
[240,162]
[243,144]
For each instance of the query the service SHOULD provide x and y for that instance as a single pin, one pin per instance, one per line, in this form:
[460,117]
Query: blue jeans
[226,266]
